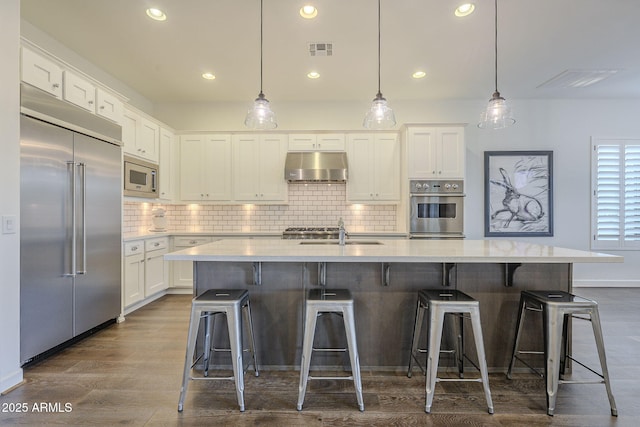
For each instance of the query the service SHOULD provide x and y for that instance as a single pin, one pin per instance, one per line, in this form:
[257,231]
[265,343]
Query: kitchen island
[384,277]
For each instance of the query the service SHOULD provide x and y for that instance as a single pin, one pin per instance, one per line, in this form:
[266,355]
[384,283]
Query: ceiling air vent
[321,49]
[577,78]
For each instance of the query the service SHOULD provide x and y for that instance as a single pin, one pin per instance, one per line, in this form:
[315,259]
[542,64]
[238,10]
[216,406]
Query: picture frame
[518,189]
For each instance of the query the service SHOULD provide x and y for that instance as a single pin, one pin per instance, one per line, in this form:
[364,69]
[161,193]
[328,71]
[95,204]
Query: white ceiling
[163,61]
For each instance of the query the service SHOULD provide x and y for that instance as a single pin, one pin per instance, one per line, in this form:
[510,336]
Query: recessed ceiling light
[313,75]
[209,76]
[156,14]
[465,9]
[308,12]
[418,74]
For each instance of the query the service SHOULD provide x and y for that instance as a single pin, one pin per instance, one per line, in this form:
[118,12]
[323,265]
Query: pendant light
[380,116]
[498,112]
[260,115]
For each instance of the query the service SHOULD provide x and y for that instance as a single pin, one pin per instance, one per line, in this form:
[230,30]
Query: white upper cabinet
[205,167]
[258,165]
[167,164]
[435,152]
[374,168]
[41,72]
[108,106]
[141,136]
[71,86]
[79,91]
[317,142]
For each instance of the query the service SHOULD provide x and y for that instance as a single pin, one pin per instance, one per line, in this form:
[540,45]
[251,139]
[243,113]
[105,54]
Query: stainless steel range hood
[316,166]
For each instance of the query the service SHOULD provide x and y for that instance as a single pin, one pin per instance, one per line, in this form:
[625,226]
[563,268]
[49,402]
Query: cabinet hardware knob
[90,102]
[56,85]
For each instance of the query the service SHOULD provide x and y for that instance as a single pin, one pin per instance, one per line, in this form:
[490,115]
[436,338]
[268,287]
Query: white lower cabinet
[183,270]
[145,271]
[156,274]
[133,282]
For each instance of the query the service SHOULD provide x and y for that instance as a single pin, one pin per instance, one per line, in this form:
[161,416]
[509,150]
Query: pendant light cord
[379,93]
[496,43]
[261,19]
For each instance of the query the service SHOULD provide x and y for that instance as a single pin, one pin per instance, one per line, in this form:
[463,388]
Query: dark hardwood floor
[130,374]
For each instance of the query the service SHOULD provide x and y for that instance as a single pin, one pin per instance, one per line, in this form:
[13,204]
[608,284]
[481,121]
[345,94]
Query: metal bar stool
[440,303]
[229,302]
[556,308]
[335,301]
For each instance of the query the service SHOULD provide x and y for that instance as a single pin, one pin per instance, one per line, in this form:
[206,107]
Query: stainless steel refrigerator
[70,223]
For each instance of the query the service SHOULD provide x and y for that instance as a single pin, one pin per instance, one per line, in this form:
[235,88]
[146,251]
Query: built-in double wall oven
[436,209]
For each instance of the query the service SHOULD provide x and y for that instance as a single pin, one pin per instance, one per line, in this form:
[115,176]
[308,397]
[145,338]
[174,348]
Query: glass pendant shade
[498,114]
[380,115]
[260,115]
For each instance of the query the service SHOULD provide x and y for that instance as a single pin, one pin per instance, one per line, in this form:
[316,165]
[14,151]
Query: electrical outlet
[9,224]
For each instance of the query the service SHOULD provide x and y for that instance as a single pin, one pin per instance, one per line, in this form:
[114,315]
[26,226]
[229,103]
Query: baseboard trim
[606,283]
[11,381]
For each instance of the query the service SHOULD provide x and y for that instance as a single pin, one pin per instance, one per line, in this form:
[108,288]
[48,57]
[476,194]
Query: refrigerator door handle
[72,167]
[83,170]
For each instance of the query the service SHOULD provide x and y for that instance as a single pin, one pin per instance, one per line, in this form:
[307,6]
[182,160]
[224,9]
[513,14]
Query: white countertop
[391,250]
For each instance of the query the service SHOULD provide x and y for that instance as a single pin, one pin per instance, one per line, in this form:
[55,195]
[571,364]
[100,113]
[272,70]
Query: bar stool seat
[232,303]
[440,303]
[335,301]
[557,307]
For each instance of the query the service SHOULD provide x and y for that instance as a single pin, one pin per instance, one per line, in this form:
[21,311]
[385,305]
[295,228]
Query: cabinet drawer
[187,242]
[133,248]
[156,244]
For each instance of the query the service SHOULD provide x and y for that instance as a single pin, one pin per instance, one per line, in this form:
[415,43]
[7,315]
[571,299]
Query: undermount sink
[335,242]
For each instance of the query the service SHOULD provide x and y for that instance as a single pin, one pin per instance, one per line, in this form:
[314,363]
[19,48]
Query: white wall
[563,126]
[10,371]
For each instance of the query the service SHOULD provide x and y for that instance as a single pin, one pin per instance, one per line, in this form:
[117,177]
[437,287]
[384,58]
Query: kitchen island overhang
[391,250]
[384,280]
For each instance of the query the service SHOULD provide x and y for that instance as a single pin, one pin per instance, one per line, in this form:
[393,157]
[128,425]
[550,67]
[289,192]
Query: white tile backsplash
[309,205]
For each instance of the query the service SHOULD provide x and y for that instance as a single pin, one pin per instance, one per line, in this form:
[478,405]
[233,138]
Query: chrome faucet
[341,232]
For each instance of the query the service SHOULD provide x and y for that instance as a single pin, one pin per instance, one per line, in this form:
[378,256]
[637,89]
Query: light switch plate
[9,224]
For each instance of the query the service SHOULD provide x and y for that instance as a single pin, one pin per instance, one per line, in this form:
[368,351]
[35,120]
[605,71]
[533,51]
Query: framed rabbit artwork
[518,191]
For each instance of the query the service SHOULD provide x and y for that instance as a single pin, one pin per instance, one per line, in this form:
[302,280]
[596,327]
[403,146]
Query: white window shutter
[616,194]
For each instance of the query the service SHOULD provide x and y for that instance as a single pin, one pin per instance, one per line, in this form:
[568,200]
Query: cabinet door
[361,167]
[436,152]
[41,73]
[330,142]
[421,150]
[108,106]
[129,132]
[205,167]
[155,278]
[451,153]
[302,142]
[217,167]
[79,91]
[148,140]
[191,173]
[272,186]
[246,163]
[133,279]
[386,161]
[167,171]
[183,270]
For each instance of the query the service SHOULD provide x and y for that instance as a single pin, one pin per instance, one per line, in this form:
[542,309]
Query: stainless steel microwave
[140,178]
